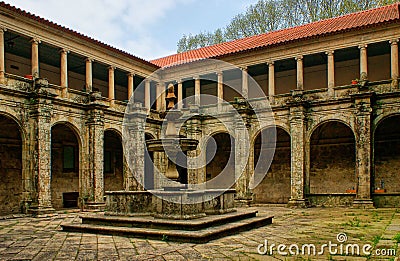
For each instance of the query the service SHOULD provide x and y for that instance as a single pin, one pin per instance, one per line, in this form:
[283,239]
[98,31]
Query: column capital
[63,50]
[219,73]
[3,29]
[330,52]
[244,68]
[88,59]
[393,41]
[111,67]
[362,46]
[271,63]
[179,81]
[131,74]
[196,77]
[35,41]
[299,58]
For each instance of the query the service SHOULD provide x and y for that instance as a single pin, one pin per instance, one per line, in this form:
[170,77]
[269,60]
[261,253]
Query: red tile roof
[373,17]
[72,32]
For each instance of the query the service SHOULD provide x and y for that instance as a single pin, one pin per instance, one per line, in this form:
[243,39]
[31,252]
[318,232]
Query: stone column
[245,83]
[196,173]
[220,87]
[271,80]
[134,133]
[95,137]
[394,61]
[2,56]
[242,147]
[300,73]
[111,83]
[297,133]
[363,149]
[331,69]
[180,94]
[63,68]
[35,58]
[160,106]
[131,80]
[147,95]
[197,90]
[40,132]
[89,77]
[363,62]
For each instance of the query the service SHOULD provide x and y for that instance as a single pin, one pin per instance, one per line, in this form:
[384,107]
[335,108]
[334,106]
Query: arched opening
[113,162]
[275,187]
[386,155]
[149,166]
[224,146]
[332,159]
[64,167]
[10,166]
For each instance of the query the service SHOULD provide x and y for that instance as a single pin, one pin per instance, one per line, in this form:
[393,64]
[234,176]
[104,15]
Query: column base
[298,203]
[243,202]
[363,203]
[39,211]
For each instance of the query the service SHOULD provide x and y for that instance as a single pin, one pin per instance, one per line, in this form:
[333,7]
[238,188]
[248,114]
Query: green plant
[164,238]
[376,239]
[397,238]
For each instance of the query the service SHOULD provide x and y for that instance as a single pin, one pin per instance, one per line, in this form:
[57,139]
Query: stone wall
[10,167]
[332,159]
[113,178]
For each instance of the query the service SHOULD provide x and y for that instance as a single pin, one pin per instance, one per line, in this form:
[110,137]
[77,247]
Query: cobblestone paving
[28,238]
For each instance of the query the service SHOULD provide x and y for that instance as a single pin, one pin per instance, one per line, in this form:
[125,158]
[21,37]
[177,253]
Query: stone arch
[11,165]
[275,187]
[113,160]
[66,162]
[386,154]
[225,148]
[332,158]
[328,119]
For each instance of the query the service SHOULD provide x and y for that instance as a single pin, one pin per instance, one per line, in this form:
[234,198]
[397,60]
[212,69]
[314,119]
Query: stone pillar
[63,68]
[95,137]
[331,69]
[180,94]
[196,173]
[220,88]
[160,106]
[197,90]
[394,61]
[297,133]
[111,83]
[245,83]
[363,62]
[35,58]
[363,149]
[147,95]
[131,80]
[40,132]
[300,74]
[2,56]
[134,133]
[271,80]
[89,77]
[242,147]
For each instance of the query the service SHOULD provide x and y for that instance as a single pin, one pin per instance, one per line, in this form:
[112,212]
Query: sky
[148,29]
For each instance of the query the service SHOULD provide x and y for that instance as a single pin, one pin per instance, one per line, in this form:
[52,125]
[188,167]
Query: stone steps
[158,223]
[207,228]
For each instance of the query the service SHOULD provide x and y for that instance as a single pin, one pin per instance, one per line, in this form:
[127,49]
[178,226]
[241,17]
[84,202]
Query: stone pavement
[27,238]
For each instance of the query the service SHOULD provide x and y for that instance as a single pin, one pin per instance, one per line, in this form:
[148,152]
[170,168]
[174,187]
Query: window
[69,158]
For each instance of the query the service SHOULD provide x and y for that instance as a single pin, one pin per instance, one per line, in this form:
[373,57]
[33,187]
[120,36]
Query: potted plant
[354,82]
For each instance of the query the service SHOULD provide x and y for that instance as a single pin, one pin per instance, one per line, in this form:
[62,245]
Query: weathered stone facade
[62,117]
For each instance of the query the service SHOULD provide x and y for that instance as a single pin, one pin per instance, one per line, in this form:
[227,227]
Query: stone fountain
[174,212]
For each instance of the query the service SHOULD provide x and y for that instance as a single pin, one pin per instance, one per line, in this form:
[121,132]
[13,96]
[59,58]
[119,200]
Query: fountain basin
[169,204]
[172,145]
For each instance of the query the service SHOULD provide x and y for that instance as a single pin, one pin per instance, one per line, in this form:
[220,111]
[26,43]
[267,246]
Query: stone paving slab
[26,238]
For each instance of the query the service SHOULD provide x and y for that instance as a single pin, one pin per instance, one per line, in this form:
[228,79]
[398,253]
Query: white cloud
[125,24]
